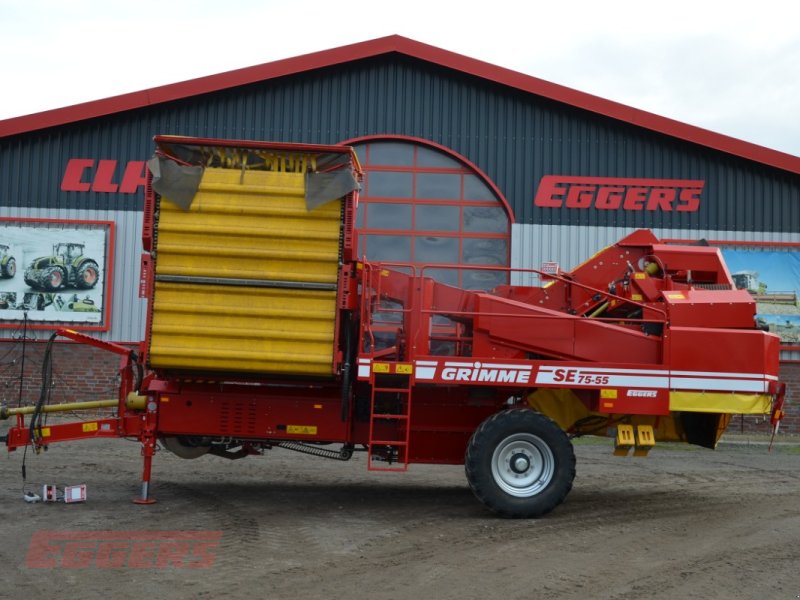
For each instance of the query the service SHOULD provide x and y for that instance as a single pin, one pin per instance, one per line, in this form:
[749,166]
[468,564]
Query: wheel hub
[520,463]
[523,465]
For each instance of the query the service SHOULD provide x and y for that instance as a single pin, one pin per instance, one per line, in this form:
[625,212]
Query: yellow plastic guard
[720,402]
[645,439]
[624,441]
[246,225]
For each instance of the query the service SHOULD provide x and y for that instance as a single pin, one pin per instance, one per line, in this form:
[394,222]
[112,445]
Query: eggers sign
[619,193]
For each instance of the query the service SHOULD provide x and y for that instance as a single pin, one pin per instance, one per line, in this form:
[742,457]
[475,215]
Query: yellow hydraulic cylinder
[134,402]
[6,412]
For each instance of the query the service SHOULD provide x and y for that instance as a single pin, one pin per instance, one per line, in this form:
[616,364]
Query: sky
[731,67]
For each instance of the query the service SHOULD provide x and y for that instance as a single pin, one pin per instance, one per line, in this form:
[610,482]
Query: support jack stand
[148,450]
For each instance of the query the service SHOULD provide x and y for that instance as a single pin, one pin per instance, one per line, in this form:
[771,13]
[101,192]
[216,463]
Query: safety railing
[383,314]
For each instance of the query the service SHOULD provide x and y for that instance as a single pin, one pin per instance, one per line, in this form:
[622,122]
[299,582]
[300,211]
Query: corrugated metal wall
[514,137]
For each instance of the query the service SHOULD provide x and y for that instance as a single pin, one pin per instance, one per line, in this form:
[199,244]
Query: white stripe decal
[602,376]
[701,374]
[425,373]
[503,366]
[590,380]
[725,375]
[594,370]
[722,385]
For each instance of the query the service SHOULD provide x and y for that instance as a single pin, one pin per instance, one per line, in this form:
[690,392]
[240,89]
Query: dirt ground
[681,523]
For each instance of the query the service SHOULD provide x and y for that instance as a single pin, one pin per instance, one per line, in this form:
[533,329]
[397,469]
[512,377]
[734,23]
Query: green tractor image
[66,267]
[8,266]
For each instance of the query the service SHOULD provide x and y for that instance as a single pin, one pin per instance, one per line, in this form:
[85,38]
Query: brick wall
[81,372]
[790,375]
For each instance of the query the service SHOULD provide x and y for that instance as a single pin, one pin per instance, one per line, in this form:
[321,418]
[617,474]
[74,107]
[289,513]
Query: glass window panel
[442,348]
[476,189]
[428,157]
[390,248]
[438,186]
[381,215]
[430,249]
[448,276]
[446,325]
[432,217]
[362,207]
[389,184]
[484,251]
[486,219]
[391,153]
[482,280]
[390,312]
[361,153]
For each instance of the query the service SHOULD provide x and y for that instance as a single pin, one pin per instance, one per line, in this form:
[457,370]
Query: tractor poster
[773,279]
[53,271]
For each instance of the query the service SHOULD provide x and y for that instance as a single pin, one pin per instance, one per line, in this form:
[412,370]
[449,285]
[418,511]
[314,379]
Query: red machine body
[643,334]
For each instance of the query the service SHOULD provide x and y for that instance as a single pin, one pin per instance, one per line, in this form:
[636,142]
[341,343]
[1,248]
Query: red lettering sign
[613,193]
[104,177]
[73,175]
[85,174]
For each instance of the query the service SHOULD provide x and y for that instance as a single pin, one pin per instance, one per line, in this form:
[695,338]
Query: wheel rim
[55,278]
[89,276]
[11,268]
[523,465]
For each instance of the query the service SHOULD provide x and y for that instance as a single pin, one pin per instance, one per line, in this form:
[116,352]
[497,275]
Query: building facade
[466,164]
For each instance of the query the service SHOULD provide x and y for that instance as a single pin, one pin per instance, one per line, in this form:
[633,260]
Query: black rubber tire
[183,447]
[53,279]
[10,268]
[550,459]
[80,277]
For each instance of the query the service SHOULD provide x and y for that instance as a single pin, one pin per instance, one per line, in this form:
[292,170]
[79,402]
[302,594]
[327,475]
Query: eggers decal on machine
[619,193]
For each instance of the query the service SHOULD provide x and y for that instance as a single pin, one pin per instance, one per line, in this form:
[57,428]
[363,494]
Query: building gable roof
[412,48]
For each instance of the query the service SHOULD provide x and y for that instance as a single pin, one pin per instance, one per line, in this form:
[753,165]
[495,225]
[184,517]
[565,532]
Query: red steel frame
[468,164]
[467,168]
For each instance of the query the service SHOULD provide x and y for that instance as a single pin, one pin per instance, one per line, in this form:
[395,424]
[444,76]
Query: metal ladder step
[383,452]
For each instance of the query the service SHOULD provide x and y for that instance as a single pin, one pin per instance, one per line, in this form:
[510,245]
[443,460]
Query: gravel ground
[681,523]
